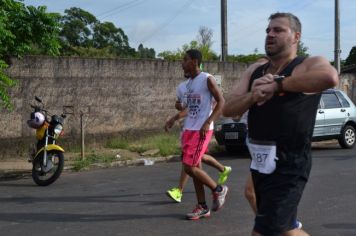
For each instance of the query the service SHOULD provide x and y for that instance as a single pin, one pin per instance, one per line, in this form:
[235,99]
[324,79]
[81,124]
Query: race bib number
[263,157]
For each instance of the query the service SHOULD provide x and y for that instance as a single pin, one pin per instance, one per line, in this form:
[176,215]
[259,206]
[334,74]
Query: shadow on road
[348,226]
[61,217]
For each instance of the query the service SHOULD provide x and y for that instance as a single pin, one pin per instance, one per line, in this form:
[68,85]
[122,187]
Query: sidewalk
[14,169]
[20,168]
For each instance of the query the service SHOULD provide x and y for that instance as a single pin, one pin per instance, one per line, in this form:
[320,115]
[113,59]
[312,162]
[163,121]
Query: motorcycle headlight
[58,129]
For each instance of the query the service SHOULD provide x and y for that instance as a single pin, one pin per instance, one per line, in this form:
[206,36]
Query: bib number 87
[260,157]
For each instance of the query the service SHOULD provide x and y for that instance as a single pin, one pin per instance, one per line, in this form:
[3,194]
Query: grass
[167,144]
[80,164]
[75,148]
[118,143]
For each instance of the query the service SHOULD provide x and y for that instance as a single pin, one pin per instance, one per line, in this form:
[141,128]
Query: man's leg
[194,147]
[211,161]
[278,198]
[177,193]
[294,232]
[250,194]
[224,170]
[183,179]
[201,176]
[219,191]
[201,210]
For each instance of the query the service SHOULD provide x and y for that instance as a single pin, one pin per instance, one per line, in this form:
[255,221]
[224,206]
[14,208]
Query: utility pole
[223,30]
[337,37]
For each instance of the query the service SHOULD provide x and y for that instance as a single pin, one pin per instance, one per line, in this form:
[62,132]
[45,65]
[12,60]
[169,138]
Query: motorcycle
[46,156]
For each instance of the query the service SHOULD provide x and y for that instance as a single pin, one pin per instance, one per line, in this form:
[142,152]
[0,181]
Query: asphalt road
[132,201]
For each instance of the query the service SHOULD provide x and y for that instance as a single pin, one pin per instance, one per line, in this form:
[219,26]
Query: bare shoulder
[314,62]
[211,79]
[258,63]
[253,67]
[241,86]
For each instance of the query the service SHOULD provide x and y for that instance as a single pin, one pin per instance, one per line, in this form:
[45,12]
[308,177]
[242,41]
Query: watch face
[278,78]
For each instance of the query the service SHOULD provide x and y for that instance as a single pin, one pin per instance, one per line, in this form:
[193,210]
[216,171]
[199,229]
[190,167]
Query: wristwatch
[278,79]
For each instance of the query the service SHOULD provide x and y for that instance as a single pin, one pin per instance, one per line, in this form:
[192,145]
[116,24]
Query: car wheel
[347,138]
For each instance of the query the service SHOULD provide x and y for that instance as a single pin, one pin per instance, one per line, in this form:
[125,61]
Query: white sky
[168,24]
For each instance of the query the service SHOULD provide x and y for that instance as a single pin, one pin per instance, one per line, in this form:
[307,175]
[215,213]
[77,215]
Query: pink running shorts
[194,147]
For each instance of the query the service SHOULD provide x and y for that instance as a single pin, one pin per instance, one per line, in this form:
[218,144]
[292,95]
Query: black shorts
[277,198]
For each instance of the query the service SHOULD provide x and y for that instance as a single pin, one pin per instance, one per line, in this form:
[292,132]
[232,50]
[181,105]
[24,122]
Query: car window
[344,102]
[330,100]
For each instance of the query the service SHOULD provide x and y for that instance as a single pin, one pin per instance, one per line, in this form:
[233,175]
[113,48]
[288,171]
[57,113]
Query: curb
[142,161]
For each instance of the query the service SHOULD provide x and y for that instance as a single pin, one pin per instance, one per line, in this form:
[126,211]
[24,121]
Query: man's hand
[169,124]
[204,129]
[263,89]
[179,106]
[266,79]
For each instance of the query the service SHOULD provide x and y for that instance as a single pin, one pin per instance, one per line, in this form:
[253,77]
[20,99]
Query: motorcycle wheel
[46,175]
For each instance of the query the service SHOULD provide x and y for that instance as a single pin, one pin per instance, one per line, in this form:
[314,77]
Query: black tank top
[289,121]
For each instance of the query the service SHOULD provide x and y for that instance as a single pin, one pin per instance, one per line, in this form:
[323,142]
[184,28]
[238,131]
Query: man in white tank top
[176,193]
[198,94]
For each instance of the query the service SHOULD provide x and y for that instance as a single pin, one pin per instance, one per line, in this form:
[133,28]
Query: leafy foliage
[146,52]
[351,59]
[203,43]
[250,58]
[83,34]
[77,27]
[302,49]
[24,30]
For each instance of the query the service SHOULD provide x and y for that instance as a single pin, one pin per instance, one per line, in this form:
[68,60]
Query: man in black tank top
[282,96]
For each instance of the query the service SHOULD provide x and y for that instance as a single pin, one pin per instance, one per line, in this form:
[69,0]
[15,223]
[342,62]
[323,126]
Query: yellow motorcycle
[46,156]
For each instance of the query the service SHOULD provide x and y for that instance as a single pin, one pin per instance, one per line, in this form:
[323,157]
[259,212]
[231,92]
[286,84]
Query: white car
[335,118]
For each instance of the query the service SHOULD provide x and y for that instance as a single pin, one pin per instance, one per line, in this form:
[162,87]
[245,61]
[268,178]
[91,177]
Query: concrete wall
[115,95]
[348,85]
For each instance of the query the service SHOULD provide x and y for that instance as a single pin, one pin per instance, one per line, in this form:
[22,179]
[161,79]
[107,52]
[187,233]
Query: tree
[145,52]
[351,59]
[302,50]
[77,27]
[83,34]
[203,44]
[250,58]
[24,30]
[205,36]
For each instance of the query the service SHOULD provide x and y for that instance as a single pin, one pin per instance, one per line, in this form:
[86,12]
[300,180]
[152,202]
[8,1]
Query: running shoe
[198,212]
[298,224]
[224,175]
[175,194]
[219,198]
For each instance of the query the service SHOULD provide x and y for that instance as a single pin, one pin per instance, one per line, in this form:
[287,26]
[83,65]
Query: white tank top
[195,95]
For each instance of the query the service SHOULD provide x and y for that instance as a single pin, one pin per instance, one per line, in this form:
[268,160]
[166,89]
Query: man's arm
[313,75]
[219,103]
[180,96]
[179,105]
[170,122]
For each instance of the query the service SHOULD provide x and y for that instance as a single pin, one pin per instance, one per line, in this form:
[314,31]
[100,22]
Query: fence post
[82,134]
